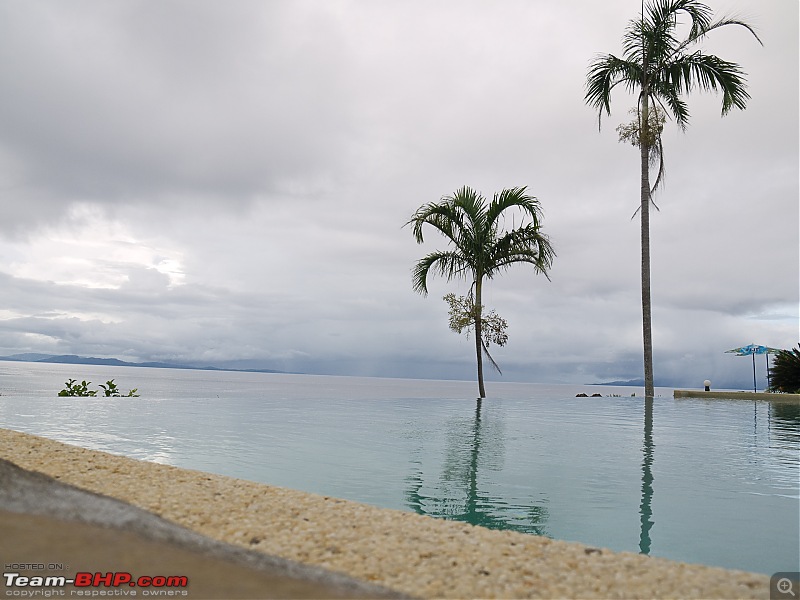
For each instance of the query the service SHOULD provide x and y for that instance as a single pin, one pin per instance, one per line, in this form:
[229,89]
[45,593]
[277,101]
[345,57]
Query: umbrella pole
[754,372]
[769,384]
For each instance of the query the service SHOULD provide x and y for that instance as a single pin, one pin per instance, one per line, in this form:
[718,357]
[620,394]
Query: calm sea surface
[708,481]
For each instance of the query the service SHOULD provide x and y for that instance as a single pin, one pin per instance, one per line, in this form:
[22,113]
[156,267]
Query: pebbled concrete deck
[411,554]
[46,523]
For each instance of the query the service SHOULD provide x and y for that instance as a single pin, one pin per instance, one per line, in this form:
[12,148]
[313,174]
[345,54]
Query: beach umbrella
[752,350]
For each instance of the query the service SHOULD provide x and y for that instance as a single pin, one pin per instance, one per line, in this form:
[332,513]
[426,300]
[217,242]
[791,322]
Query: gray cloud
[201,181]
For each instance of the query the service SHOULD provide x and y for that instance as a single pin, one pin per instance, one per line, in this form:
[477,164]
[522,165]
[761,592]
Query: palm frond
[657,153]
[639,208]
[666,11]
[438,215]
[708,73]
[513,198]
[697,35]
[633,41]
[605,73]
[663,94]
[489,356]
[523,245]
[469,202]
[448,264]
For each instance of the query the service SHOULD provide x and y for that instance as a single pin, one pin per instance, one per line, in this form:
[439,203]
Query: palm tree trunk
[478,334]
[647,333]
[646,505]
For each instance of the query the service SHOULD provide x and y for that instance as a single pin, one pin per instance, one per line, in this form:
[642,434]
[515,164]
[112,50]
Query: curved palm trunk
[647,333]
[478,334]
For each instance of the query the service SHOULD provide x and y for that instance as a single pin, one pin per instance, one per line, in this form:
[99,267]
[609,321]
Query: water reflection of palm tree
[468,450]
[645,508]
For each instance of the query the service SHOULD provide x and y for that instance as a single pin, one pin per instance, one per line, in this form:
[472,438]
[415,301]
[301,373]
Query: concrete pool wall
[722,395]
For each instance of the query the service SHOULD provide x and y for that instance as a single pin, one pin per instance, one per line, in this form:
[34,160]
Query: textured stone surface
[44,522]
[417,555]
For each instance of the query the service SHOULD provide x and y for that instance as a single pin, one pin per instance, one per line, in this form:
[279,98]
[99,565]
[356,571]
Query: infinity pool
[708,481]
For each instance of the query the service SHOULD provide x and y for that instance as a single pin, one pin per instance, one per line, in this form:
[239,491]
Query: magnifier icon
[785,586]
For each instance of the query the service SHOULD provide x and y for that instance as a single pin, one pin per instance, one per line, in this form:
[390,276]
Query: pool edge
[723,395]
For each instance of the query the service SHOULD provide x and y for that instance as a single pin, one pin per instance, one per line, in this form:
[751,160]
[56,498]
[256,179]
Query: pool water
[707,481]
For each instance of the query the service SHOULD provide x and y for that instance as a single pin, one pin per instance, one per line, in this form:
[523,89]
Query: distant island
[667,383]
[636,382]
[72,359]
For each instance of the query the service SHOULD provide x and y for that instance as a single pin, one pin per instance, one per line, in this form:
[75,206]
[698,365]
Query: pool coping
[722,395]
[413,554]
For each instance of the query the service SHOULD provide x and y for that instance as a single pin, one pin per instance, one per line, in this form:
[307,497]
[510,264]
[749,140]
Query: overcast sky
[202,181]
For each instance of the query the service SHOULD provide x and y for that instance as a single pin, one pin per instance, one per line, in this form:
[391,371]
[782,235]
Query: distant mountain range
[636,382]
[239,366]
[72,359]
[640,383]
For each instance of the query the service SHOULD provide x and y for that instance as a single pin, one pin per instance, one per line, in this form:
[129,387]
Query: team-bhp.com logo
[93,584]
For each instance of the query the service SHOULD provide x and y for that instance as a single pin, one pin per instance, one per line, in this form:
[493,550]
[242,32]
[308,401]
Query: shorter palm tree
[479,247]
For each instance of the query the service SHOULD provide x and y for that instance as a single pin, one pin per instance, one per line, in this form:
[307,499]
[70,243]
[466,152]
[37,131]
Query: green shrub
[77,389]
[82,389]
[785,372]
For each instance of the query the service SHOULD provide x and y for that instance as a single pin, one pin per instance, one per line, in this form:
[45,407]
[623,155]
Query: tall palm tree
[663,67]
[480,248]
